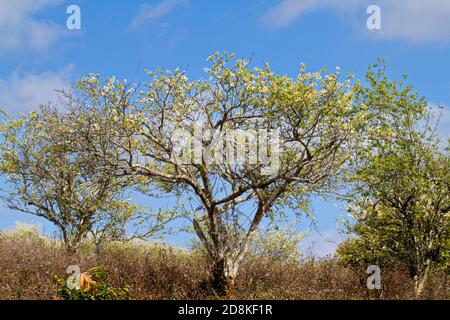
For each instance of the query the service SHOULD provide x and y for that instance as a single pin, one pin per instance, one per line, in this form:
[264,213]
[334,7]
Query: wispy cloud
[20,29]
[322,244]
[415,21]
[287,11]
[21,92]
[154,13]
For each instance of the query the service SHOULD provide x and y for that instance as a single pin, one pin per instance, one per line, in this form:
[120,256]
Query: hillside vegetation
[29,261]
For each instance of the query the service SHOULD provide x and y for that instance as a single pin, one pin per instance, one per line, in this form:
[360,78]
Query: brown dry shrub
[28,262]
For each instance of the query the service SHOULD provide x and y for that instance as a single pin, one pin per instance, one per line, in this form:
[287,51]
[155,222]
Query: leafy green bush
[98,288]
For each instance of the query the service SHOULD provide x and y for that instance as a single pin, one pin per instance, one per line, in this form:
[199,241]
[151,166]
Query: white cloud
[149,13]
[288,11]
[19,29]
[321,244]
[23,92]
[415,21]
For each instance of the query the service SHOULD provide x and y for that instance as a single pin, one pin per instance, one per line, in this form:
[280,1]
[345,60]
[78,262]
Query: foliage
[48,177]
[73,164]
[313,114]
[48,173]
[280,244]
[154,272]
[401,196]
[99,288]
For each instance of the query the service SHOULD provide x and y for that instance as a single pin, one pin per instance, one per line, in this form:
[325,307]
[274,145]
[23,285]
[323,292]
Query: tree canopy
[401,178]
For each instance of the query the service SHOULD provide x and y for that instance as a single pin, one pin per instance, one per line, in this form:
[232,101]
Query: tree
[48,175]
[405,218]
[402,185]
[243,146]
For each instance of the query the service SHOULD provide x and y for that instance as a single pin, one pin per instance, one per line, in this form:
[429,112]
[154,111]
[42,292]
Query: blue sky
[39,54]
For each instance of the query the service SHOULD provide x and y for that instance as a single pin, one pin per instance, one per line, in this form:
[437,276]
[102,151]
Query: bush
[144,270]
[93,286]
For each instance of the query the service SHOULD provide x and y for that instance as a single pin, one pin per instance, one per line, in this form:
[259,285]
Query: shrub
[94,285]
[161,272]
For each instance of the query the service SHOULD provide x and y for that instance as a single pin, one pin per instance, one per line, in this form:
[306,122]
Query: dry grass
[28,261]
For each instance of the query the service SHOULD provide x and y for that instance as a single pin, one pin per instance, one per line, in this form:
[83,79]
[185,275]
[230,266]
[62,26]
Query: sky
[39,53]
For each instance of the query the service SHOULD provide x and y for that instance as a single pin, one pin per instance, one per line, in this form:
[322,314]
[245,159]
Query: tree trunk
[223,277]
[73,252]
[420,281]
[419,285]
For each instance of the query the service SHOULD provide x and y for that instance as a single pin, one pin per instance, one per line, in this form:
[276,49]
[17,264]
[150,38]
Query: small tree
[402,185]
[405,219]
[291,138]
[47,176]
